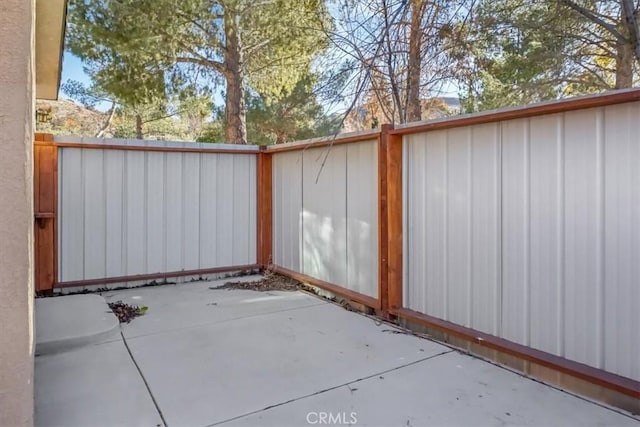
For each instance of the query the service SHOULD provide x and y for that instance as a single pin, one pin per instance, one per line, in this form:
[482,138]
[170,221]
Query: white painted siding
[124,213]
[529,230]
[325,217]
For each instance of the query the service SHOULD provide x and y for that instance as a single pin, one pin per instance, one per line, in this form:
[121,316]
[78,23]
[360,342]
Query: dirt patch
[125,312]
[270,282]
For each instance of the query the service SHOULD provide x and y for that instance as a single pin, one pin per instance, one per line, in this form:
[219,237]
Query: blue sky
[72,69]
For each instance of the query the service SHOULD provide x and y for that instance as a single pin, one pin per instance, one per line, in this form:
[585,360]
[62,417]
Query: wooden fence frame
[378,304]
[599,377]
[389,303]
[46,213]
[390,234]
[45,204]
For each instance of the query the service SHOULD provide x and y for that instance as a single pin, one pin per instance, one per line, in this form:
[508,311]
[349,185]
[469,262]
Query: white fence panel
[621,240]
[451,232]
[287,210]
[114,183]
[529,230]
[125,213]
[362,218]
[325,214]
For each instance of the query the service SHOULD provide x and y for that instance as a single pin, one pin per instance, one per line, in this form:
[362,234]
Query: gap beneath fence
[155,276]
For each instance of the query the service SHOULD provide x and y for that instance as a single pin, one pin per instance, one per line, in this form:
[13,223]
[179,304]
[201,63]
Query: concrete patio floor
[203,357]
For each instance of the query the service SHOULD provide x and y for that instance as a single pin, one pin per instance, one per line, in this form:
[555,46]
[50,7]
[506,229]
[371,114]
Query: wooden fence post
[383,235]
[264,191]
[390,220]
[45,204]
[394,218]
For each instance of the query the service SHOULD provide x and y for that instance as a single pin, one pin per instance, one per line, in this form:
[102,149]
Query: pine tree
[138,50]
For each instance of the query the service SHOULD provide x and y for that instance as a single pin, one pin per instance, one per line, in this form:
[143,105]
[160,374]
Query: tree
[399,53]
[520,51]
[295,115]
[90,97]
[133,120]
[266,45]
[616,20]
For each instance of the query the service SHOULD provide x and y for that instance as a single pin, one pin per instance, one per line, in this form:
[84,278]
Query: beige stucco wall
[16,212]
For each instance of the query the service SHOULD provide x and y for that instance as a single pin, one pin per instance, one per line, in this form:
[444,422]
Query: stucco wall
[16,212]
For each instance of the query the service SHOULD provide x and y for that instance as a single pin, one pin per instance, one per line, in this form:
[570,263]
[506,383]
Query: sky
[72,69]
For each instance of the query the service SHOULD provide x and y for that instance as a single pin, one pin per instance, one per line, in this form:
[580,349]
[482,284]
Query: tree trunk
[235,108]
[414,107]
[625,58]
[630,14]
[139,134]
[107,124]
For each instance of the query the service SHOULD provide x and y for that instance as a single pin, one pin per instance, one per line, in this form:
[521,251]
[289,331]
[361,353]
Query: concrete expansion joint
[144,380]
[66,323]
[345,384]
[230,320]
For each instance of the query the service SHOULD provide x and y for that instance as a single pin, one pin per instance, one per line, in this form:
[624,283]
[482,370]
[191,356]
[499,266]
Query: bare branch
[107,123]
[594,18]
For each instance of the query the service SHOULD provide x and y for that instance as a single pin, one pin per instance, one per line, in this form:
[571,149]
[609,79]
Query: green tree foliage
[160,44]
[389,60]
[521,51]
[181,116]
[294,115]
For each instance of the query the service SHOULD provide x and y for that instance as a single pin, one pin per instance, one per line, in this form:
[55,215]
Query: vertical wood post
[383,235]
[264,190]
[394,219]
[45,204]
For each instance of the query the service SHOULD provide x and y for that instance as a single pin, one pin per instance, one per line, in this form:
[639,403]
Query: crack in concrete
[144,380]
[415,362]
[198,325]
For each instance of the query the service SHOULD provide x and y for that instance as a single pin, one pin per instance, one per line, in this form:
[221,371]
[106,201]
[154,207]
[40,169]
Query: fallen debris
[125,312]
[270,282]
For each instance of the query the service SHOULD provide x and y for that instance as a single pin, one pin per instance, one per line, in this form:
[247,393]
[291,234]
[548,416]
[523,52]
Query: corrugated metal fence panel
[362,218]
[529,229]
[426,198]
[114,196]
[132,212]
[582,236]
[324,218]
[621,245]
[71,224]
[325,214]
[452,226]
[287,210]
[545,207]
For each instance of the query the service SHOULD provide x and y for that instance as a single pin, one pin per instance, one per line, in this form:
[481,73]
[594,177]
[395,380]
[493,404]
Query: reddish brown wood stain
[45,202]
[390,225]
[265,208]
